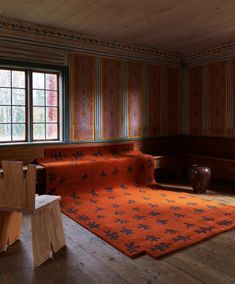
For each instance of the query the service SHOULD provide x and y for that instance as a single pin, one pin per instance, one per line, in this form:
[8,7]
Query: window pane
[5,132]
[39,131]
[5,96]
[18,79]
[18,96]
[16,104]
[5,78]
[51,81]
[18,114]
[45,106]
[38,97]
[52,132]
[18,132]
[51,98]
[38,114]
[5,114]
[38,81]
[51,114]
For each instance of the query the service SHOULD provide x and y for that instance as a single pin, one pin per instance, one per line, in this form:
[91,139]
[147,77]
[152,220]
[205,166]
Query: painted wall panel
[195,101]
[154,100]
[217,95]
[111,98]
[232,84]
[172,101]
[116,99]
[135,98]
[83,86]
[211,97]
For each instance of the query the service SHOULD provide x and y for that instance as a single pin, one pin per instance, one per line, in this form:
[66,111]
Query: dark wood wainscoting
[28,153]
[172,153]
[220,147]
[216,152]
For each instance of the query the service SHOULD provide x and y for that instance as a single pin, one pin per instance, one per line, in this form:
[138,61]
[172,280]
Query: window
[45,106]
[29,105]
[12,105]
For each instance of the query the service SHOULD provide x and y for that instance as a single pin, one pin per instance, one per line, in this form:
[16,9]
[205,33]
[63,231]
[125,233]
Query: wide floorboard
[87,259]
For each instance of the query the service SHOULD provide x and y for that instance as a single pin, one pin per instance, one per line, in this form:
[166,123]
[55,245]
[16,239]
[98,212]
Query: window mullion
[29,96]
[11,110]
[45,109]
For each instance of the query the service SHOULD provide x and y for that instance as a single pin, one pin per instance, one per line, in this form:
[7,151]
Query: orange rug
[115,197]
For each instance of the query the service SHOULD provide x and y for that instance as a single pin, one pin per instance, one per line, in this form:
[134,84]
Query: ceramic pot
[199,178]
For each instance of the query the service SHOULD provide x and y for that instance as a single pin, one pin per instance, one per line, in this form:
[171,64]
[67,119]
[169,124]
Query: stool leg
[10,225]
[40,237]
[47,232]
[56,228]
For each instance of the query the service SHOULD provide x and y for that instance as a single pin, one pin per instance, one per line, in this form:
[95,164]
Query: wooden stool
[17,196]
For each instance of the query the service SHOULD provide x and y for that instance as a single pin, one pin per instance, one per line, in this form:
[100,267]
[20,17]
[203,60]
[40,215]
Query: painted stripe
[98,99]
[205,100]
[145,120]
[185,99]
[181,99]
[124,100]
[232,97]
[229,99]
[164,97]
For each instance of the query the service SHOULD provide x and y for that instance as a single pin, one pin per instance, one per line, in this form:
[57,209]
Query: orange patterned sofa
[63,165]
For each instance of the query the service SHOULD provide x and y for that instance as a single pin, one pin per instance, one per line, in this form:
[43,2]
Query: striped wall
[173,98]
[217,98]
[115,99]
[195,100]
[155,101]
[83,89]
[120,92]
[135,99]
[111,93]
[209,99]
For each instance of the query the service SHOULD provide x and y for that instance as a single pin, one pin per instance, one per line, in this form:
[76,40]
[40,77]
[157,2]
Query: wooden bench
[221,168]
[168,161]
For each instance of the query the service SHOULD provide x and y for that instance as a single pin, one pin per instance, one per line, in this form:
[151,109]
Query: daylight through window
[29,106]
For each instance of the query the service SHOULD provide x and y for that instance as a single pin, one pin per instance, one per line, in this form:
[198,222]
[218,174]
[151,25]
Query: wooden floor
[87,259]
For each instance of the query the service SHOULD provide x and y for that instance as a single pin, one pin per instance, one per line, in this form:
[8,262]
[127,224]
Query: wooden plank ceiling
[178,25]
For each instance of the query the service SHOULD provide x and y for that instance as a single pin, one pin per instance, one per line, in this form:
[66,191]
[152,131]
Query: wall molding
[15,32]
[218,53]
[24,32]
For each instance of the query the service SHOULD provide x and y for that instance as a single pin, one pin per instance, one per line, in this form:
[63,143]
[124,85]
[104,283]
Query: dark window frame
[45,107]
[12,105]
[62,113]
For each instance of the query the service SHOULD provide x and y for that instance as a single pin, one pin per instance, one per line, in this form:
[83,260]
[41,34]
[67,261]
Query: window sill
[36,143]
